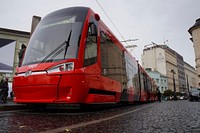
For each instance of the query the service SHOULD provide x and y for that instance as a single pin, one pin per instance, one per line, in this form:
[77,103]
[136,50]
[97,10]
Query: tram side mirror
[93,29]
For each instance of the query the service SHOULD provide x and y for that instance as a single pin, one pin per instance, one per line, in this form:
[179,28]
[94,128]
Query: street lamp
[187,84]
[173,72]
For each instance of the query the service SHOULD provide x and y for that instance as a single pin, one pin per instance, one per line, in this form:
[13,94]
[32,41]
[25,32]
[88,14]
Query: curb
[7,107]
[10,105]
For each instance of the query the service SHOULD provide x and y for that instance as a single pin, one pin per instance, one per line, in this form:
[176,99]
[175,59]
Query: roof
[4,42]
[165,47]
[196,25]
[5,67]
[148,70]
[80,11]
[15,31]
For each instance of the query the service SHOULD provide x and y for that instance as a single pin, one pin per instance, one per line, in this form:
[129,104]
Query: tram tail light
[62,67]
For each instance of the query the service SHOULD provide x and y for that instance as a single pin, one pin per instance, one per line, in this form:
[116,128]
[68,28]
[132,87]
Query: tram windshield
[54,39]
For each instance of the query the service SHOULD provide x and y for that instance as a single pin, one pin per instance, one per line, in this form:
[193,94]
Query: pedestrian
[158,95]
[11,94]
[4,90]
[21,54]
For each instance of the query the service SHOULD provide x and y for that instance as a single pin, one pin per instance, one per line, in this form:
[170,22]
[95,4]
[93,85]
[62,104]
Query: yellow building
[168,62]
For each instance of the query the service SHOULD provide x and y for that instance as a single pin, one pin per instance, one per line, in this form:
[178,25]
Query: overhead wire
[110,19]
[114,25]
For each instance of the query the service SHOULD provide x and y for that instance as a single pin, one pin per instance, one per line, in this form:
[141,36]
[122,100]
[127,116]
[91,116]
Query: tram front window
[54,39]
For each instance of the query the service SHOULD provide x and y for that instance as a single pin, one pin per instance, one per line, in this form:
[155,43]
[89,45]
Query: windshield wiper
[58,50]
[54,53]
[67,44]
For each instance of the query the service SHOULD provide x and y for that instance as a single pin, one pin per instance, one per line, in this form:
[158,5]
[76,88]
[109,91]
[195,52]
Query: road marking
[82,124]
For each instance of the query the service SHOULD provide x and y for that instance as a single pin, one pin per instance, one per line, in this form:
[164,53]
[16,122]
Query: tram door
[91,62]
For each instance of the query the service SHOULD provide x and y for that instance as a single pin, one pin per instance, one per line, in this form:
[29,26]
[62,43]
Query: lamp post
[173,72]
[188,86]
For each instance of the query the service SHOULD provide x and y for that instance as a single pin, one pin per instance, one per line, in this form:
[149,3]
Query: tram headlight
[69,66]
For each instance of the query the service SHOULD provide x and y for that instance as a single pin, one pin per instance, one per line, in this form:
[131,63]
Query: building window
[161,81]
[157,81]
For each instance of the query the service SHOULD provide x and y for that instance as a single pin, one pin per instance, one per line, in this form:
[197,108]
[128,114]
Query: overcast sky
[147,20]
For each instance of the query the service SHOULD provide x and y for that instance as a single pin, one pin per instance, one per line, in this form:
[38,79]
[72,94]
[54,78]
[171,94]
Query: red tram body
[73,58]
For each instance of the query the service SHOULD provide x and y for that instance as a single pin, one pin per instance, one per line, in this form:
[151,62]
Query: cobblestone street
[165,117]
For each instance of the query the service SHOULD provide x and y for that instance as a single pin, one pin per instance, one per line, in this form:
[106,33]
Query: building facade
[181,73]
[161,80]
[168,62]
[195,32]
[15,38]
[191,76]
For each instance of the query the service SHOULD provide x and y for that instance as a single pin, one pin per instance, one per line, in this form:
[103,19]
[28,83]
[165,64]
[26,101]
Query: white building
[191,76]
[195,32]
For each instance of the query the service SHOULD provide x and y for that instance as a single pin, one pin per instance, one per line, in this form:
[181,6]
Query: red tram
[73,58]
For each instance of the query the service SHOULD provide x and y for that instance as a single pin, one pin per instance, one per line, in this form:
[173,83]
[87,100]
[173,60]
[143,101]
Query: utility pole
[188,86]
[35,21]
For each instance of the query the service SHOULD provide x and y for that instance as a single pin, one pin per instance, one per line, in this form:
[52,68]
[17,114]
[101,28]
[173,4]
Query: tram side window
[135,79]
[142,80]
[90,56]
[104,53]
[111,58]
[145,82]
[150,84]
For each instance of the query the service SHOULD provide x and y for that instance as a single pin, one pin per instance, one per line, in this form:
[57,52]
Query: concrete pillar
[35,21]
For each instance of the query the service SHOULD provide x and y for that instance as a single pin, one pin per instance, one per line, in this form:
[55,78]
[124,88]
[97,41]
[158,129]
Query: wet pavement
[10,105]
[165,117]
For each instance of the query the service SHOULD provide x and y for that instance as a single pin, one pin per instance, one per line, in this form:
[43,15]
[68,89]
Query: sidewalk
[10,105]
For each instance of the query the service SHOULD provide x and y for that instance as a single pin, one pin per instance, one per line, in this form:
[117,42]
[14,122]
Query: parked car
[183,96]
[194,94]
